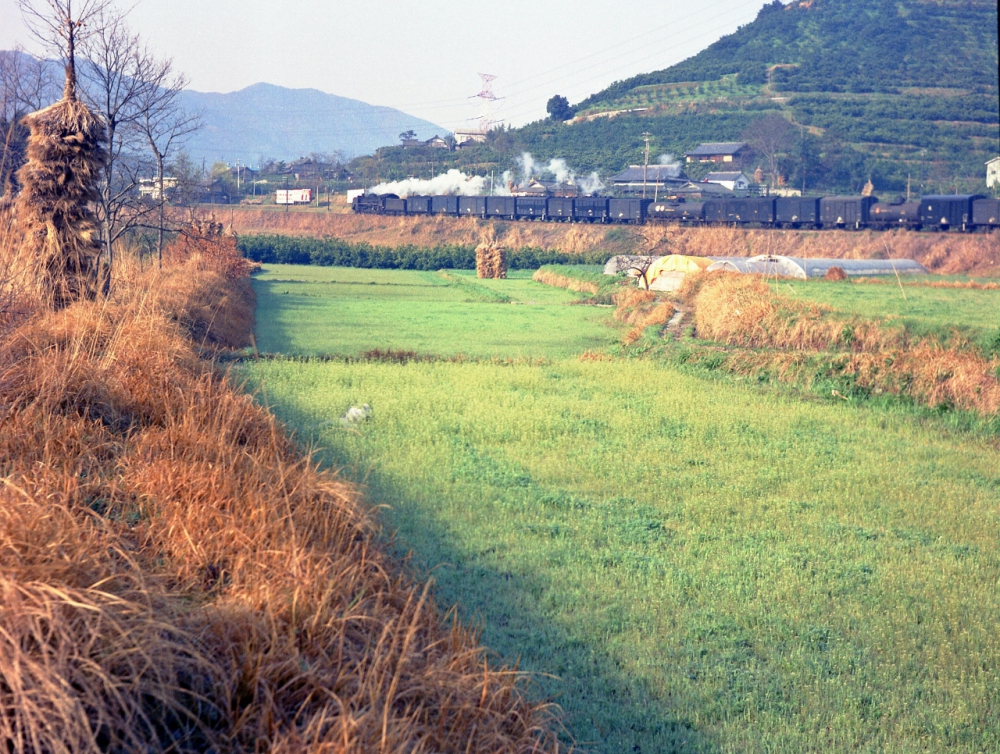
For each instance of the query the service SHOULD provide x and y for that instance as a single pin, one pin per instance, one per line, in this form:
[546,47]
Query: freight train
[965,212]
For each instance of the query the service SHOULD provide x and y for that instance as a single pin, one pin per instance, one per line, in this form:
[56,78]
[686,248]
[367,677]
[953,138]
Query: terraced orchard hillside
[880,87]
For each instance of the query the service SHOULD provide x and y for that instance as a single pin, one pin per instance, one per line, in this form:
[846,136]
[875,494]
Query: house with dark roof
[732,180]
[718,151]
[655,179]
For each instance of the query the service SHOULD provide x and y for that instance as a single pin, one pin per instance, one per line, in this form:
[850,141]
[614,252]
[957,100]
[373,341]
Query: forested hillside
[879,88]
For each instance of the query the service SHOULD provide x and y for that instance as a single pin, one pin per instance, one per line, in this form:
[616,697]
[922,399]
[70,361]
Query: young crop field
[684,563]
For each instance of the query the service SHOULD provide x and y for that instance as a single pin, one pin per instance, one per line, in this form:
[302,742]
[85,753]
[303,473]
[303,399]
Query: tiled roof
[716,147]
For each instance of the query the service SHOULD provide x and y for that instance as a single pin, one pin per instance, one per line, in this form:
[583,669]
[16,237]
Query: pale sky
[423,56]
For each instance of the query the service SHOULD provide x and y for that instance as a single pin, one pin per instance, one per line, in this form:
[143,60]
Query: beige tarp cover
[677,263]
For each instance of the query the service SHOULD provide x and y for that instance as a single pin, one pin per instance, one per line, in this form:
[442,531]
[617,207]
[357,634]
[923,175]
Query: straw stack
[59,182]
[491,260]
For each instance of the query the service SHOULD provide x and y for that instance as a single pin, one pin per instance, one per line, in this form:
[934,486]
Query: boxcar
[986,213]
[529,207]
[560,208]
[418,205]
[500,206]
[472,206]
[444,205]
[944,212]
[898,215]
[628,210]
[590,208]
[757,210]
[845,211]
[796,211]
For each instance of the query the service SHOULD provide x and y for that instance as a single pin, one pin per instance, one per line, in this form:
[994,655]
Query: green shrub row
[333,252]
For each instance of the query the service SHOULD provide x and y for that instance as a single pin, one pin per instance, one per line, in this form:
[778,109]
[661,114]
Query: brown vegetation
[945,253]
[640,308]
[59,182]
[835,274]
[743,311]
[175,575]
[491,258]
[561,281]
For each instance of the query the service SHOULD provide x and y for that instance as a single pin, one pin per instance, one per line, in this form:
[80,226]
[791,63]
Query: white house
[993,173]
[732,180]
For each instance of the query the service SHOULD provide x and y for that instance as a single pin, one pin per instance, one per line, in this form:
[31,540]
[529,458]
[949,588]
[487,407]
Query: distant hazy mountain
[271,121]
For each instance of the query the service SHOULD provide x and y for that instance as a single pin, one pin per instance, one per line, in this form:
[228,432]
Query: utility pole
[645,165]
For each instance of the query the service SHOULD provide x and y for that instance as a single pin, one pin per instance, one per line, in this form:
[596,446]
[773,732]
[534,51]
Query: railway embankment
[943,253]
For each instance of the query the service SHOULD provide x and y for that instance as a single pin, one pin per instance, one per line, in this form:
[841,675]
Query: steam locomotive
[961,213]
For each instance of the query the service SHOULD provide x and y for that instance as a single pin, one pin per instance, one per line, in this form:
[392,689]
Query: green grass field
[689,564]
[340,311]
[924,310]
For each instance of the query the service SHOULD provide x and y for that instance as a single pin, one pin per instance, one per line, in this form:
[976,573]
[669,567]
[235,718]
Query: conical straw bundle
[491,260]
[66,150]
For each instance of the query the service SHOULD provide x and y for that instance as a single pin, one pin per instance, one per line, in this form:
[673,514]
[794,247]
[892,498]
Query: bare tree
[26,85]
[769,137]
[165,126]
[117,73]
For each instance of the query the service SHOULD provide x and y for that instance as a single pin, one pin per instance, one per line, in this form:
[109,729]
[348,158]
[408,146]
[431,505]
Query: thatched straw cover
[491,260]
[59,182]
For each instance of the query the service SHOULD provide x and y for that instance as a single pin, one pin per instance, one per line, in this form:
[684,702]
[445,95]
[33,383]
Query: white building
[293,196]
[732,180]
[993,173]
[149,188]
[470,135]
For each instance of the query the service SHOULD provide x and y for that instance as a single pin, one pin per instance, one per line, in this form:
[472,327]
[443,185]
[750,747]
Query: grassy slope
[695,560]
[420,311]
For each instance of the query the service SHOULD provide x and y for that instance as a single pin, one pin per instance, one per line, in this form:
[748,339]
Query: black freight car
[418,205]
[472,206]
[946,212]
[845,211]
[628,210]
[896,215]
[590,208]
[500,206]
[986,213]
[796,211]
[560,208]
[444,205]
[530,207]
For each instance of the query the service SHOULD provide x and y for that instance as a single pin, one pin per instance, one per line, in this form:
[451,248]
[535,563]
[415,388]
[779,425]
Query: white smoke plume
[559,171]
[671,163]
[454,183]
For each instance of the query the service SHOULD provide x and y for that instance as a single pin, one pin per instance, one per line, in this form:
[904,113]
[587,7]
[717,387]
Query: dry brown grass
[743,311]
[561,281]
[642,309]
[176,576]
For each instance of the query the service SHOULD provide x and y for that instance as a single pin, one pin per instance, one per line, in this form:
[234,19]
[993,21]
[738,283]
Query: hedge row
[333,252]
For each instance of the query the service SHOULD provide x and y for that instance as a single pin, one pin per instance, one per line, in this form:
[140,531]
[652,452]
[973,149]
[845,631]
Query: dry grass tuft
[176,576]
[561,281]
[641,308]
[742,310]
[835,274]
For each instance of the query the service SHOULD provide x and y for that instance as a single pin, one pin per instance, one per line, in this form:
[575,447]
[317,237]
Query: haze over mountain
[268,121]
[264,120]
